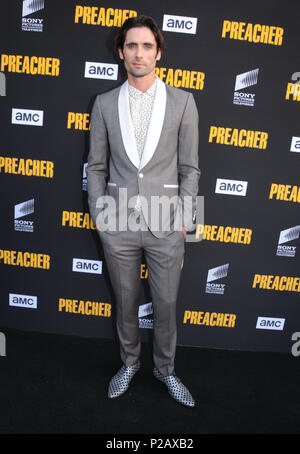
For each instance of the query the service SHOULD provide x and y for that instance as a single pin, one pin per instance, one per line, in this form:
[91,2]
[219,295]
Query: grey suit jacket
[168,169]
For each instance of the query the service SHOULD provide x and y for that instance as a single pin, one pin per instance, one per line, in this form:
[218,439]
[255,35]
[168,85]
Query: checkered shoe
[176,388]
[120,382]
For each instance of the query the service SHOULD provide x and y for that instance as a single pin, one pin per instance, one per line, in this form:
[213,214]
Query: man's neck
[142,83]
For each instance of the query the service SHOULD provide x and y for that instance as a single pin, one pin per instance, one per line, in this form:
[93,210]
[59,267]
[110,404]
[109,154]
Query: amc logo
[270,323]
[295,144]
[101,70]
[87,266]
[231,187]
[27,117]
[180,24]
[27,301]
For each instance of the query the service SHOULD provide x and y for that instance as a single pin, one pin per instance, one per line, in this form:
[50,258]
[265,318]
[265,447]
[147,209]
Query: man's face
[140,52]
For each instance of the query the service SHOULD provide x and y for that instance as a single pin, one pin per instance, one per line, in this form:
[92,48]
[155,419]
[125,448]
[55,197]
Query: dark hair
[140,21]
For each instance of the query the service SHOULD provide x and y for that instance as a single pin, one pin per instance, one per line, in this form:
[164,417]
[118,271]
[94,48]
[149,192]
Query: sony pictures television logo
[21,210]
[215,274]
[32,20]
[146,316]
[286,236]
[242,81]
[84,177]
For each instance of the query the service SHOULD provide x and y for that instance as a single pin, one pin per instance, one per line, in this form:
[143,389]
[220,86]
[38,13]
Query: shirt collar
[135,93]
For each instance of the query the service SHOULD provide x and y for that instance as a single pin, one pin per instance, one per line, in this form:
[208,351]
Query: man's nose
[139,51]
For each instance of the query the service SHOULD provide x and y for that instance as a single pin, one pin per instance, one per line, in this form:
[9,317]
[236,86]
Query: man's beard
[135,74]
[138,73]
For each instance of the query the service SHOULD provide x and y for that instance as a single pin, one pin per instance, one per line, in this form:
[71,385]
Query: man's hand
[98,227]
[184,230]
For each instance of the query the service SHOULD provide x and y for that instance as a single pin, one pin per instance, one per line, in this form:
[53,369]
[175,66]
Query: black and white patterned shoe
[120,382]
[176,388]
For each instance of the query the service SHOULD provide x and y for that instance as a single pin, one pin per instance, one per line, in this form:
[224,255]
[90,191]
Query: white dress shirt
[141,104]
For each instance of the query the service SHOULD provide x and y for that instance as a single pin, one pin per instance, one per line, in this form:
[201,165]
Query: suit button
[141,175]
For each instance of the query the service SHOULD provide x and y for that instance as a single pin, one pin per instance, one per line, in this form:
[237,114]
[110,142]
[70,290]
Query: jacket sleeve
[188,170]
[97,167]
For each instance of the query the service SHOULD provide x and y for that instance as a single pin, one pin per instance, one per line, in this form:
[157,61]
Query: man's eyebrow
[133,42]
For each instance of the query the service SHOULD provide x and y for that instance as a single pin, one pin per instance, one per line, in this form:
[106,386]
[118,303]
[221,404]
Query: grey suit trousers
[164,259]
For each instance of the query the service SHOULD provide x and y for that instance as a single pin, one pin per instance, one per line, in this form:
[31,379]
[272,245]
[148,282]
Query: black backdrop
[33,297]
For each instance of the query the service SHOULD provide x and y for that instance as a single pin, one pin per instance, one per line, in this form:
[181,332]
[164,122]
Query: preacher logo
[285,192]
[293,91]
[238,137]
[21,210]
[286,236]
[32,24]
[224,234]
[209,319]
[28,167]
[45,66]
[276,283]
[25,259]
[181,78]
[161,213]
[293,88]
[2,84]
[78,120]
[245,80]
[82,307]
[180,24]
[254,33]
[213,275]
[110,17]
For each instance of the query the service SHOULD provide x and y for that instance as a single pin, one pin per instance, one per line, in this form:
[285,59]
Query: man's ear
[120,53]
[158,55]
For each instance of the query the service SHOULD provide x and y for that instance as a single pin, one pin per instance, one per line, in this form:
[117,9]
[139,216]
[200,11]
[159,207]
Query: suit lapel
[127,126]
[155,126]
[156,123]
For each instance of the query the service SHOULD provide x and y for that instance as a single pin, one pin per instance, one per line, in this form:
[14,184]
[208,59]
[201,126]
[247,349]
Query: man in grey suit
[142,178]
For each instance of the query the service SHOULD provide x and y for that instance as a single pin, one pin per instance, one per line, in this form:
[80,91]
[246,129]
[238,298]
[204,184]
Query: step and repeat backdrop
[240,284]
